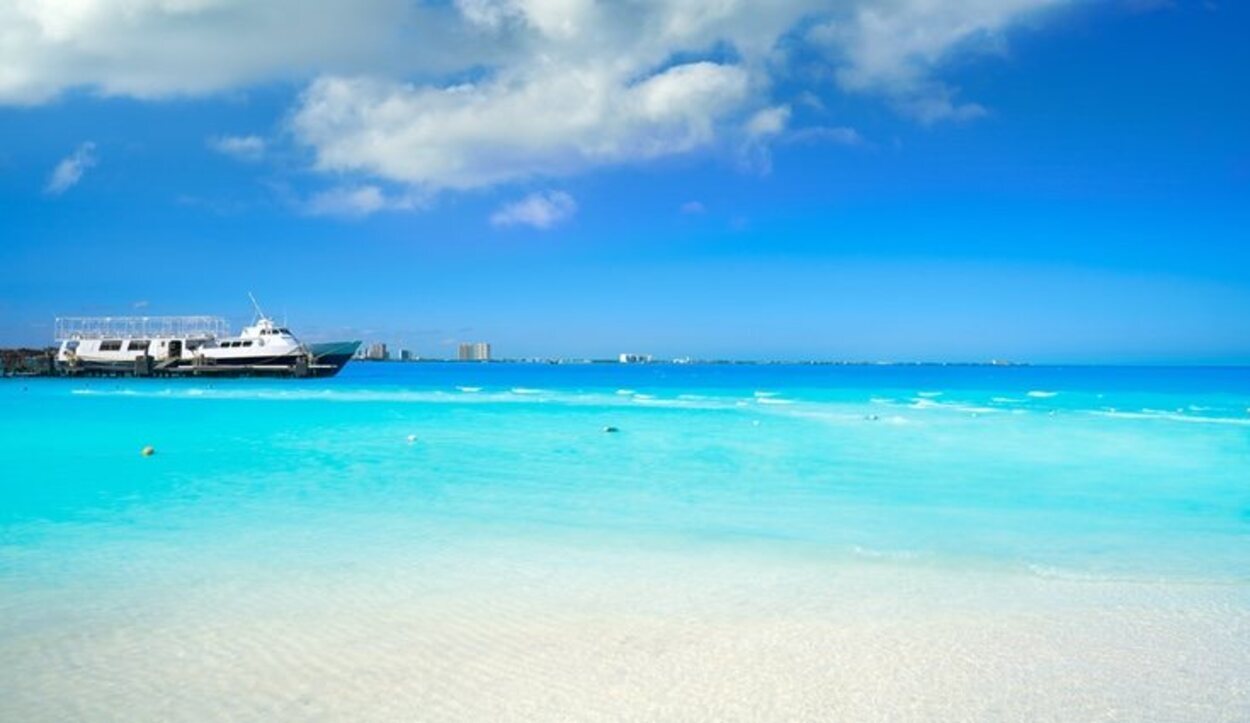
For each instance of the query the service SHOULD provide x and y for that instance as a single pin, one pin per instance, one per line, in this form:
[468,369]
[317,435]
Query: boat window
[71,346]
[284,331]
[247,343]
[111,345]
[138,345]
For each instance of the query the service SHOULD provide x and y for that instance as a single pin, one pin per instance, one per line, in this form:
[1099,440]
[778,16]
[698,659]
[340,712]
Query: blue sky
[1037,180]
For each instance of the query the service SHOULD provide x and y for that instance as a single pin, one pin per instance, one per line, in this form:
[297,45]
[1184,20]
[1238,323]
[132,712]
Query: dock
[25,362]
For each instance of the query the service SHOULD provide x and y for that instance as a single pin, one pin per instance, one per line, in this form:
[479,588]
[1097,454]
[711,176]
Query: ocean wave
[1040,394]
[1160,415]
[469,390]
[929,395]
[953,406]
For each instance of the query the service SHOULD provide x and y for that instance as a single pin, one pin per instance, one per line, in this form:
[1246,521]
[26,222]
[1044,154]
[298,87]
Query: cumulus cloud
[69,171]
[540,210]
[160,48]
[550,123]
[243,148]
[473,93]
[581,84]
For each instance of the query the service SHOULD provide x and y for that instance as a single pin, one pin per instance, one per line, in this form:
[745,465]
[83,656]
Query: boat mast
[259,313]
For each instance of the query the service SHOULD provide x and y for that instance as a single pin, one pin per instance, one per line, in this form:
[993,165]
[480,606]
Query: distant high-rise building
[405,355]
[474,351]
[377,352]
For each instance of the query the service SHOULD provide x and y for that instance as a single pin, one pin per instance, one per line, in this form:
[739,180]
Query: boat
[191,345]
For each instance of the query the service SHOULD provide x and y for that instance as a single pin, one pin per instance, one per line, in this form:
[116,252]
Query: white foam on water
[929,395]
[469,390]
[1161,415]
[1040,394]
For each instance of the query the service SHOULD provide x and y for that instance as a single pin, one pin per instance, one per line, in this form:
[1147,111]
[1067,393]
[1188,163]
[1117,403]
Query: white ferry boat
[195,345]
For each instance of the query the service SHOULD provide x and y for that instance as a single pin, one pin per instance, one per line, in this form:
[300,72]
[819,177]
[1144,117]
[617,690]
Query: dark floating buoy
[148,451]
[610,429]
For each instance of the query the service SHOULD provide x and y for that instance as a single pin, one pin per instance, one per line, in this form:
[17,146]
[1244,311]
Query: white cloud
[69,171]
[540,210]
[768,122]
[158,48]
[892,47]
[358,201]
[553,123]
[243,148]
[692,207]
[475,93]
[581,84]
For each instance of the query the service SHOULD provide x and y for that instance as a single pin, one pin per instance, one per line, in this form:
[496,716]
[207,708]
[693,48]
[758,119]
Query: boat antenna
[256,306]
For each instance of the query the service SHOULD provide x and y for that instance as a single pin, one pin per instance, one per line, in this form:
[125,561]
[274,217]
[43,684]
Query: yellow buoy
[148,451]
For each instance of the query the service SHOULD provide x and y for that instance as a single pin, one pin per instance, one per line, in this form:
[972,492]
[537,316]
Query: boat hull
[316,360]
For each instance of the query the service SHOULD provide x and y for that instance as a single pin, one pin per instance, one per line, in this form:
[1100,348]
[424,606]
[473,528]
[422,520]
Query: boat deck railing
[69,328]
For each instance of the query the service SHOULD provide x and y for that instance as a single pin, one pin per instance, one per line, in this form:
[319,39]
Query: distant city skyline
[1040,180]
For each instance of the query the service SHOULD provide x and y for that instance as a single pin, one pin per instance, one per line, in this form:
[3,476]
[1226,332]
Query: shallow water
[755,541]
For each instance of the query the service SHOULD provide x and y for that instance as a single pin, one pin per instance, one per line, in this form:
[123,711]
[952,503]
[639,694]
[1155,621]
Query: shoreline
[636,638]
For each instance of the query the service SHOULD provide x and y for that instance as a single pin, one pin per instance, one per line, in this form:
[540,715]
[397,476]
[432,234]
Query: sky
[1034,180]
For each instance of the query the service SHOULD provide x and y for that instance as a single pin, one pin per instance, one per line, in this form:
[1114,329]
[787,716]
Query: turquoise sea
[754,542]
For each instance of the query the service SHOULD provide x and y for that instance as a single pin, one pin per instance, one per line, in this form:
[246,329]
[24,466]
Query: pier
[42,363]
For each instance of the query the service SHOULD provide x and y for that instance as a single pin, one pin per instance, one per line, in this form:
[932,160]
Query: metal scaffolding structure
[139,327]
